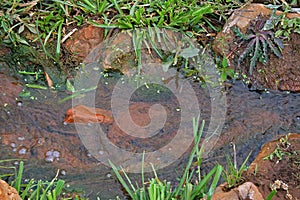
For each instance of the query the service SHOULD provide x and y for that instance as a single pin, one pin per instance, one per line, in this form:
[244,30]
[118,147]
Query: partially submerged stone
[84,114]
[7,192]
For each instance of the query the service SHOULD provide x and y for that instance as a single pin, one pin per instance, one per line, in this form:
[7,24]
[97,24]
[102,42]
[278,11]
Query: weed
[224,69]
[258,40]
[288,26]
[234,176]
[284,149]
[282,25]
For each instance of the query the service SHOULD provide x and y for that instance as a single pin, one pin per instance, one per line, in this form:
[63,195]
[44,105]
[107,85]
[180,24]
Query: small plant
[281,24]
[288,26]
[224,69]
[284,149]
[233,175]
[259,40]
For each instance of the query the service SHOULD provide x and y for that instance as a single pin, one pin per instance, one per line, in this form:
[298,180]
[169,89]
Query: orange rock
[84,114]
[245,191]
[84,40]
[7,192]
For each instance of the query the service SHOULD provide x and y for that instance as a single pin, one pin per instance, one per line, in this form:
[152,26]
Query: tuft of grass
[158,189]
[233,175]
[32,189]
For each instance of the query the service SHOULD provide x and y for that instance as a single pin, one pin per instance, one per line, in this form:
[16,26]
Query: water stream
[35,131]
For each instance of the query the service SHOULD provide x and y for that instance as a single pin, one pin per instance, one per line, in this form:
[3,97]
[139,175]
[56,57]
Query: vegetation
[31,189]
[284,149]
[258,41]
[45,25]
[233,175]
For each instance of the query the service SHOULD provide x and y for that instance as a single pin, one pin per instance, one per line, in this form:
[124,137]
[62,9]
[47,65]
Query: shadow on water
[35,131]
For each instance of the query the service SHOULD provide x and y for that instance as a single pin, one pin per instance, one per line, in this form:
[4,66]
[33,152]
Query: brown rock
[117,52]
[9,90]
[7,192]
[84,40]
[246,191]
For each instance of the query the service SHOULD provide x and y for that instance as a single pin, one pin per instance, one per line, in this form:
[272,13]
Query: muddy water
[35,131]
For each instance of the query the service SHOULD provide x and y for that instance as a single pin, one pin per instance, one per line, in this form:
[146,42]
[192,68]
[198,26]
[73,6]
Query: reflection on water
[35,131]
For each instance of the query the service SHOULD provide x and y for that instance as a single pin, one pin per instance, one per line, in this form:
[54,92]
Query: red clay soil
[264,172]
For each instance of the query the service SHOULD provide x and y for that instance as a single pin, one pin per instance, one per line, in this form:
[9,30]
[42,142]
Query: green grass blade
[117,7]
[25,192]
[190,161]
[215,181]
[243,166]
[59,187]
[271,195]
[19,177]
[122,181]
[204,182]
[59,39]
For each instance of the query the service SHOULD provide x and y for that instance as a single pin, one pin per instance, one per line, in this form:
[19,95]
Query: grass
[47,24]
[233,175]
[40,190]
[186,189]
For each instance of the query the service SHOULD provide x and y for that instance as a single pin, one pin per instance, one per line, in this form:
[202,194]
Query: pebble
[52,155]
[22,151]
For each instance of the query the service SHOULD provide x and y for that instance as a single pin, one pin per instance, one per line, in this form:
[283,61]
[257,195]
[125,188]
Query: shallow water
[35,131]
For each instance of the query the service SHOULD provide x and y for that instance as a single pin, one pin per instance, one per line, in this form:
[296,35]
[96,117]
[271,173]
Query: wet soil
[278,171]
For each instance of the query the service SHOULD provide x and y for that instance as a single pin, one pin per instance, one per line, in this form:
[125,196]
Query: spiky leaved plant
[259,39]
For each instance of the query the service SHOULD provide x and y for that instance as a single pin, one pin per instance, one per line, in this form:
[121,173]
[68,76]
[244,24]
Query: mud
[284,169]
